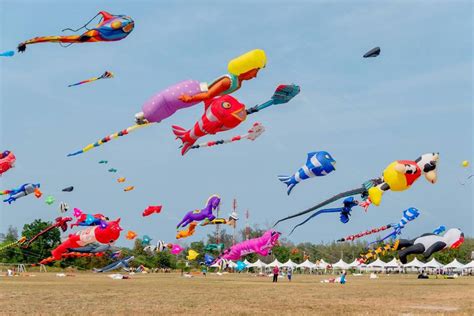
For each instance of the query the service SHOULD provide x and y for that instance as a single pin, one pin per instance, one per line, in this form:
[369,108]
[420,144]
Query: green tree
[42,246]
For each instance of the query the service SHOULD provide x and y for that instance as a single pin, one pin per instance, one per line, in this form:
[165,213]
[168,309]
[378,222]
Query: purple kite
[198,215]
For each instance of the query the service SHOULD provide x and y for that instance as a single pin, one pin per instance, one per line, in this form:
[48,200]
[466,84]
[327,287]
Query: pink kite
[261,245]
[176,249]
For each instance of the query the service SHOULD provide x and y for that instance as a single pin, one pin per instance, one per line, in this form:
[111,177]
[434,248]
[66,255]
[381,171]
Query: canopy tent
[341,265]
[275,263]
[468,266]
[415,263]
[307,264]
[433,264]
[247,263]
[394,263]
[321,264]
[289,264]
[377,264]
[455,265]
[357,265]
[215,265]
[257,264]
[232,264]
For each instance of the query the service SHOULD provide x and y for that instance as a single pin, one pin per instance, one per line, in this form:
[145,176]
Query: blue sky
[416,97]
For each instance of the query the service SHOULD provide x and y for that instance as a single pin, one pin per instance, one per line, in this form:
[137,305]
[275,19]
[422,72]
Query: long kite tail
[255,131]
[361,190]
[18,242]
[51,39]
[374,253]
[105,75]
[330,210]
[366,233]
[109,138]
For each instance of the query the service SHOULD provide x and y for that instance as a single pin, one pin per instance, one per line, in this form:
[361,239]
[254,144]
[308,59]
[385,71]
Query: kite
[107,235]
[9,53]
[129,188]
[49,200]
[77,212]
[261,245]
[374,52]
[240,266]
[255,131]
[398,176]
[131,235]
[409,215]
[124,263]
[68,255]
[24,190]
[13,244]
[146,240]
[63,207]
[344,212]
[103,162]
[60,222]
[226,112]
[68,189]
[121,180]
[160,246]
[92,248]
[213,202]
[465,163]
[176,249]
[214,247]
[189,93]
[187,233]
[7,161]
[91,220]
[231,221]
[319,163]
[208,259]
[439,230]
[105,75]
[112,170]
[152,210]
[192,255]
[111,28]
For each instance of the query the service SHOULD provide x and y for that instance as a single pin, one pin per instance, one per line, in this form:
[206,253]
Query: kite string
[82,27]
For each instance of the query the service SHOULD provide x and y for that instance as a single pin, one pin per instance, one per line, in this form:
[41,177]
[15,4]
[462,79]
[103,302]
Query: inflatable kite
[113,170]
[408,215]
[214,247]
[129,188]
[427,244]
[318,164]
[9,53]
[344,212]
[105,75]
[124,263]
[91,220]
[63,207]
[103,162]
[121,180]
[374,52]
[192,255]
[24,190]
[225,113]
[92,248]
[152,210]
[187,233]
[213,202]
[131,235]
[107,235]
[398,176]
[160,246]
[176,249]
[255,131]
[49,200]
[146,240]
[208,259]
[68,189]
[240,266]
[189,93]
[7,161]
[261,245]
[111,28]
[60,222]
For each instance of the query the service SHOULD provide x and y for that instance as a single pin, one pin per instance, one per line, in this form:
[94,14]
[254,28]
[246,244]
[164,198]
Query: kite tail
[51,39]
[289,181]
[181,133]
[108,138]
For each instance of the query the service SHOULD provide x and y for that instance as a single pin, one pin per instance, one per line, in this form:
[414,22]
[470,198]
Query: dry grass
[245,294]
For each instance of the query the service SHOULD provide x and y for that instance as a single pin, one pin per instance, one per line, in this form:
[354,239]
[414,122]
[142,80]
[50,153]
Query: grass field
[244,294]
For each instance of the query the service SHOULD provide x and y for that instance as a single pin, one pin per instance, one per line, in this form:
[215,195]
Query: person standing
[276,271]
[289,273]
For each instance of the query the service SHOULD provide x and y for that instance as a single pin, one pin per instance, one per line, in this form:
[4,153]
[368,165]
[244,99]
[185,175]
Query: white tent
[394,263]
[275,263]
[433,264]
[415,263]
[257,264]
[322,264]
[376,264]
[357,265]
[247,263]
[232,264]
[289,264]
[215,265]
[341,265]
[468,266]
[307,264]
[455,265]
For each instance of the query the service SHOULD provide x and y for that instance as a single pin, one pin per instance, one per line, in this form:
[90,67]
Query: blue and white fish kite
[318,164]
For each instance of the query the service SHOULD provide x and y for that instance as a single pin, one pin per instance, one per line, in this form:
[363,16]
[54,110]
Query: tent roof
[470,265]
[322,264]
[306,264]
[257,264]
[455,264]
[414,263]
[377,263]
[247,263]
[289,263]
[341,265]
[393,263]
[232,264]
[274,263]
[433,263]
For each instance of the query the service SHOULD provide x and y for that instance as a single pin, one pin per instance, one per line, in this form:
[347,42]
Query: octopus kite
[111,28]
